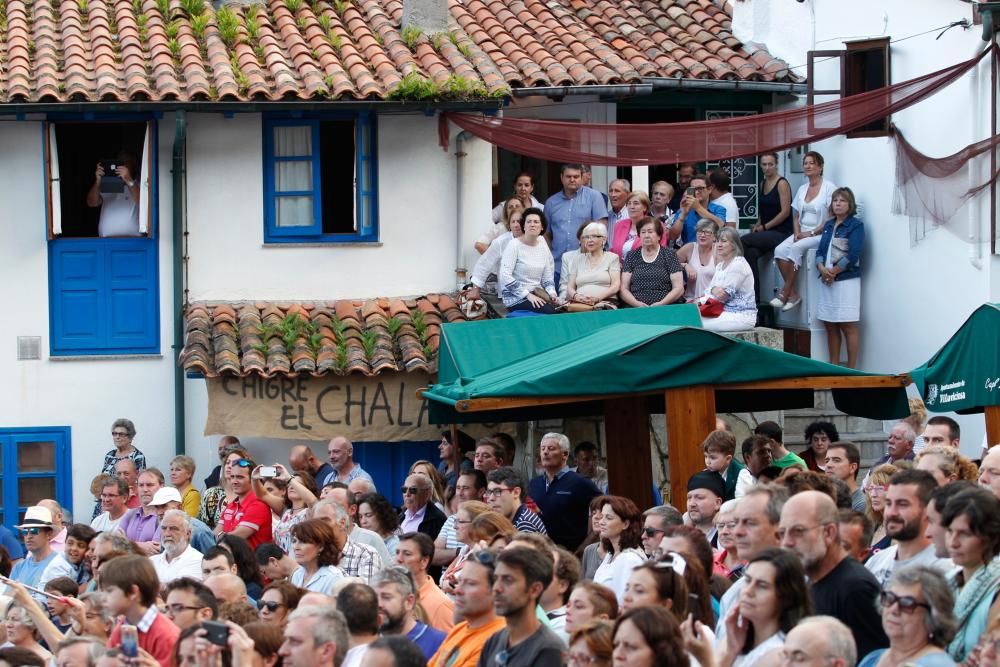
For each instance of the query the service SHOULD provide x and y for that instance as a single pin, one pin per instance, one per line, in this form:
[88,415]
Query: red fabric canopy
[700,141]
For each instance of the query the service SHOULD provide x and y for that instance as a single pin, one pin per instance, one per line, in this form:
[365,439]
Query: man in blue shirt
[695,206]
[397,598]
[42,564]
[10,543]
[571,207]
[562,495]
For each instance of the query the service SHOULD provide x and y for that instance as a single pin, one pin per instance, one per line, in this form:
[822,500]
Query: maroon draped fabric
[938,188]
[701,141]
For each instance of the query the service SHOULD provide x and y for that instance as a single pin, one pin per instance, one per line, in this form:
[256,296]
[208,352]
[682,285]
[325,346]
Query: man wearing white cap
[168,498]
[42,563]
[179,558]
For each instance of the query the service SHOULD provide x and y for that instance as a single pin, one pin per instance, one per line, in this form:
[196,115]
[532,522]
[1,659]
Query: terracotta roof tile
[341,337]
[108,50]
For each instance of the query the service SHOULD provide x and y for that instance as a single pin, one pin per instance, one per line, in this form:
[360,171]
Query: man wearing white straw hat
[42,563]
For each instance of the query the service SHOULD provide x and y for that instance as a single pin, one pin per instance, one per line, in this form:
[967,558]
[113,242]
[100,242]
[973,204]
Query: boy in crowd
[131,586]
[720,451]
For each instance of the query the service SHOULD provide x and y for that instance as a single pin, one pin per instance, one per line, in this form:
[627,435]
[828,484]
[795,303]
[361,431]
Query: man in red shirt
[131,586]
[247,516]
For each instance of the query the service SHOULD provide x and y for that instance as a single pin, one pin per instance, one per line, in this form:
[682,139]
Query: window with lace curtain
[319,180]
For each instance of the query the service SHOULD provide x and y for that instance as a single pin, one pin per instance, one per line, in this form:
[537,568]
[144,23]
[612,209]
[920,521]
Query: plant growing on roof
[193,8]
[252,26]
[172,29]
[199,24]
[293,5]
[411,35]
[229,26]
[83,6]
[300,21]
[163,6]
[137,6]
[394,325]
[325,22]
[340,6]
[142,20]
[368,340]
[414,86]
[175,47]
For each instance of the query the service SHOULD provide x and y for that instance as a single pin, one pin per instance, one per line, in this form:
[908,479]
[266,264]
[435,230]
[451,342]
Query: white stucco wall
[417,217]
[916,290]
[86,395]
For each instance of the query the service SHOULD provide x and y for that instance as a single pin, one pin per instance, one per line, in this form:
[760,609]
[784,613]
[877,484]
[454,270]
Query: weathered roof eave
[86,107]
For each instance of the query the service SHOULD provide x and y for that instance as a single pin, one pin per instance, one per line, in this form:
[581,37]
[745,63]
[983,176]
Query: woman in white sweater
[527,270]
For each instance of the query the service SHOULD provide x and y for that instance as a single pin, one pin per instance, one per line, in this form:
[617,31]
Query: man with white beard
[179,558]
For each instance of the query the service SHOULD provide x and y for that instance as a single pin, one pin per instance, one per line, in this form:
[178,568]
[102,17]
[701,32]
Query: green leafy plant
[137,6]
[368,340]
[341,362]
[340,6]
[411,35]
[378,37]
[436,41]
[142,20]
[260,347]
[251,24]
[300,21]
[172,29]
[459,87]
[315,340]
[83,6]
[414,86]
[465,50]
[293,5]
[420,325]
[162,6]
[193,7]
[394,325]
[199,24]
[229,26]
[335,41]
[428,352]
[175,47]
[325,21]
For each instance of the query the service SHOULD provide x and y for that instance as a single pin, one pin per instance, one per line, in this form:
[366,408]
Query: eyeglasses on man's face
[496,492]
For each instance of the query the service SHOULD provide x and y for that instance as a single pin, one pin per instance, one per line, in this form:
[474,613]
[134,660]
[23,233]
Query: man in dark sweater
[562,495]
[522,574]
[841,586]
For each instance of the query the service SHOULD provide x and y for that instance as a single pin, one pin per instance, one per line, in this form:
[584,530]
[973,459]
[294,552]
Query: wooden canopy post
[630,464]
[690,415]
[992,414]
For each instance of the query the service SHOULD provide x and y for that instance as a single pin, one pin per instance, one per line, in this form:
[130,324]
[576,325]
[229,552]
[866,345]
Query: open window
[72,151]
[103,279]
[861,67]
[319,180]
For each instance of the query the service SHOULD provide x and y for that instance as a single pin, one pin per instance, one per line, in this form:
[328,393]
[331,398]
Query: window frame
[847,77]
[10,437]
[365,186]
[107,249]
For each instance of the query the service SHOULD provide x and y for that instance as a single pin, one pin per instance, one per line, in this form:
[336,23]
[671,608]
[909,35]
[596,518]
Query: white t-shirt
[728,202]
[813,213]
[119,215]
[884,563]
[187,564]
[104,522]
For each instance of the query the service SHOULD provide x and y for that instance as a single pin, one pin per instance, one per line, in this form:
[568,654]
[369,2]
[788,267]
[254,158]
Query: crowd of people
[587,250]
[777,559]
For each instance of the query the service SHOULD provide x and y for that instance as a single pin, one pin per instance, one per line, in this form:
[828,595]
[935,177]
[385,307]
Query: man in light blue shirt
[694,207]
[571,207]
[42,564]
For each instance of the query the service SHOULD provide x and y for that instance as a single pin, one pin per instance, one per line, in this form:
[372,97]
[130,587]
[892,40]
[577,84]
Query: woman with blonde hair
[507,209]
[917,419]
[181,473]
[625,235]
[465,517]
[596,277]
[875,486]
[947,465]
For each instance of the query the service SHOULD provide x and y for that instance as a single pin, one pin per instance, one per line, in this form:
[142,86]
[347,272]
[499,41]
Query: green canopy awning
[964,375]
[627,352]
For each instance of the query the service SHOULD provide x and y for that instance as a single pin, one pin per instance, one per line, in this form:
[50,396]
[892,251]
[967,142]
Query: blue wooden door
[103,296]
[34,464]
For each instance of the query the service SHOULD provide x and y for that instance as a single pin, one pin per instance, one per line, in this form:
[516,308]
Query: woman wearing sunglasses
[277,601]
[917,617]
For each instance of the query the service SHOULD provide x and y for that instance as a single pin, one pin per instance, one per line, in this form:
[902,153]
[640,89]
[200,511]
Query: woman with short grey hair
[917,616]
[122,434]
[732,285]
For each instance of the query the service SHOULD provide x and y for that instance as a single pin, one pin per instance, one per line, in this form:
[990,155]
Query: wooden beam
[823,382]
[992,414]
[690,415]
[630,463]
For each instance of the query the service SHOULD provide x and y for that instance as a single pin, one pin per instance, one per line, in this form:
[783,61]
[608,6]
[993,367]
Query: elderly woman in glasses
[122,433]
[596,277]
[651,274]
[917,618]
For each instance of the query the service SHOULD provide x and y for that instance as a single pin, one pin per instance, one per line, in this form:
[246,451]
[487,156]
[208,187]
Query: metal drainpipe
[179,171]
[460,270]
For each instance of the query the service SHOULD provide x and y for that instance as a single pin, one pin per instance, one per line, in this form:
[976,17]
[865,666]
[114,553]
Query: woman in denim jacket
[838,259]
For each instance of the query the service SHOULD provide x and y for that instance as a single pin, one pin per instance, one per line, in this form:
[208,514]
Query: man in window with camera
[116,192]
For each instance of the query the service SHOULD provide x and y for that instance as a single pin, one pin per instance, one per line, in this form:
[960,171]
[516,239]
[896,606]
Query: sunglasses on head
[907,603]
[243,463]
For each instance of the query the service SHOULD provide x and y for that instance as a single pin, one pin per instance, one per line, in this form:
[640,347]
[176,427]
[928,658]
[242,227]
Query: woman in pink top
[625,234]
